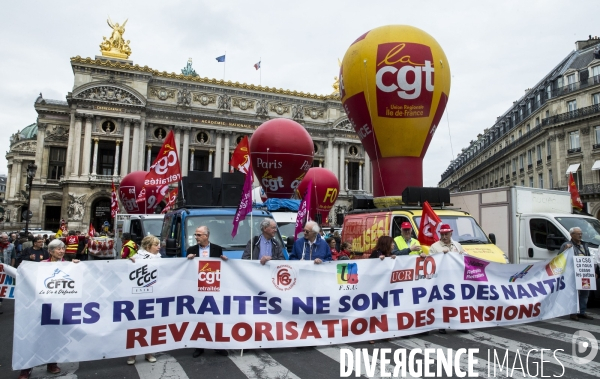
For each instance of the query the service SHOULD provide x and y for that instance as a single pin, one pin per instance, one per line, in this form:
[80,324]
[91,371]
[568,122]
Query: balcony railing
[529,167]
[521,170]
[572,115]
[548,157]
[596,146]
[539,162]
[574,151]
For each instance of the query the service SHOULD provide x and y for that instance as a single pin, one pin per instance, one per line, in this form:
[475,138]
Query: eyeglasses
[307,231]
[200,235]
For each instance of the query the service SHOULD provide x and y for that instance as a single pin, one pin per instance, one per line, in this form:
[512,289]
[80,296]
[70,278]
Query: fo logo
[404,80]
[347,276]
[283,277]
[209,276]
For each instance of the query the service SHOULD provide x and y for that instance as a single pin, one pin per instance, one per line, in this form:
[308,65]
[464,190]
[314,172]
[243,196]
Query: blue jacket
[320,249]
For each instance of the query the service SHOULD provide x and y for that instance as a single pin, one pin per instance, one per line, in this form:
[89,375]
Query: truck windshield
[286,229]
[220,231]
[464,229]
[590,227]
[153,226]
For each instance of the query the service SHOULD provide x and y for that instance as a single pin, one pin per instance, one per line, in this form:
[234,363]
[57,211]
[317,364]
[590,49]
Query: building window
[56,165]
[596,73]
[521,161]
[531,181]
[537,121]
[577,178]
[512,138]
[550,179]
[529,157]
[596,98]
[522,183]
[549,91]
[571,82]
[528,128]
[107,161]
[574,140]
[539,152]
[520,134]
[541,180]
[597,133]
[514,165]
[572,105]
[549,148]
[353,168]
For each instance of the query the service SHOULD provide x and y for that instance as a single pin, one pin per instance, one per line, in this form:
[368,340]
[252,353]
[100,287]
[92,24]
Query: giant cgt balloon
[394,85]
[129,190]
[326,188]
[281,152]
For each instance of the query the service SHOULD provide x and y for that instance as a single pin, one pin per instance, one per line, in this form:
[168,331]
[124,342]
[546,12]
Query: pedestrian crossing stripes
[518,355]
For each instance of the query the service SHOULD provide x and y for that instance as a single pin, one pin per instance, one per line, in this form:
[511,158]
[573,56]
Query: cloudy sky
[495,49]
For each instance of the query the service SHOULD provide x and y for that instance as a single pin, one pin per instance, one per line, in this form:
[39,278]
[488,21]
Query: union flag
[429,227]
[575,199]
[114,203]
[240,159]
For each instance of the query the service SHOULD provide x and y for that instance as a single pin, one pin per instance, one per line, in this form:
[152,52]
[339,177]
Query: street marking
[333,352]
[67,371]
[481,367]
[165,367]
[256,364]
[575,325]
[500,343]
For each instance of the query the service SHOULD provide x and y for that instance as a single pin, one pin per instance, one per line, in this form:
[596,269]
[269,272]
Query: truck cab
[178,229]
[138,225]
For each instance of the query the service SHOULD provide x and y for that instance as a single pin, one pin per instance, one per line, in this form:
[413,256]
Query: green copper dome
[29,132]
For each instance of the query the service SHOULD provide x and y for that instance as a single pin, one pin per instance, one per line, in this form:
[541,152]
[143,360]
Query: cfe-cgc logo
[143,278]
[58,283]
[347,276]
[284,277]
[209,276]
[404,80]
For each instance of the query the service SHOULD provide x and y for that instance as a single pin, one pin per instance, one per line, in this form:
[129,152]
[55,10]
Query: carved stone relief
[280,108]
[243,104]
[224,102]
[184,97]
[314,113]
[162,93]
[204,99]
[261,108]
[585,131]
[76,207]
[344,125]
[298,112]
[109,94]
[57,133]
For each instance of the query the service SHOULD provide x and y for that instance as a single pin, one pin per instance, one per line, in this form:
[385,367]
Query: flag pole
[260,71]
[224,63]
[251,219]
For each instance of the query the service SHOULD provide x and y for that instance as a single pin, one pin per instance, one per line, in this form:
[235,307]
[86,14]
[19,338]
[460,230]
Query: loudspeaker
[362,202]
[434,195]
[197,187]
[232,185]
[411,195]
[339,219]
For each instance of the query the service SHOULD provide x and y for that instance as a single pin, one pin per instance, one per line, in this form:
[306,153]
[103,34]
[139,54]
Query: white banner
[67,312]
[585,276]
[7,281]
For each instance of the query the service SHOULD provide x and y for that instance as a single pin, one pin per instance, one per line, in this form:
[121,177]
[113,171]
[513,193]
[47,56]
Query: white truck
[138,226]
[528,224]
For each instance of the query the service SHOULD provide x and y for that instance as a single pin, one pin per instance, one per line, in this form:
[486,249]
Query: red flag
[240,159]
[430,226]
[164,171]
[171,199]
[114,203]
[245,206]
[575,199]
[304,210]
[91,230]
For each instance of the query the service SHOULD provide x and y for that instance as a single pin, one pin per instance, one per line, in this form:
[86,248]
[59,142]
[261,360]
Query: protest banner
[107,309]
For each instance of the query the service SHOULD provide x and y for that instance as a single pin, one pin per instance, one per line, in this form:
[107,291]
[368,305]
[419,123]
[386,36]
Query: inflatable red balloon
[281,151]
[130,188]
[326,188]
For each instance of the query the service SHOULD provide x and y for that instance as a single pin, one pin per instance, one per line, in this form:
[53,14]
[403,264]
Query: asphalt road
[324,362]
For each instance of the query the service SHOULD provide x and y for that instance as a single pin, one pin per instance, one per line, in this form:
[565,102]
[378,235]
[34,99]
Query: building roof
[29,132]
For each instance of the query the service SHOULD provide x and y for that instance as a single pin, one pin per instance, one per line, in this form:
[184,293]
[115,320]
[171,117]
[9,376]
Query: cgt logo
[404,80]
[283,277]
[347,276]
[209,276]
[144,278]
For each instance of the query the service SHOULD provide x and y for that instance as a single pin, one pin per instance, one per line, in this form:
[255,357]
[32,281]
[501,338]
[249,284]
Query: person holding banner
[580,248]
[405,244]
[383,249]
[37,252]
[311,247]
[264,247]
[446,243]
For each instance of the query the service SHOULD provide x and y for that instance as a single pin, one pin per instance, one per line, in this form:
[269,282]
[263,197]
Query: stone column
[218,156]
[367,174]
[329,155]
[210,160]
[39,154]
[226,137]
[360,175]
[77,147]
[135,147]
[185,151]
[69,162]
[148,157]
[342,167]
[177,131]
[117,151]
[192,151]
[126,143]
[9,181]
[95,162]
[334,160]
[87,145]
[15,183]
[142,142]
[346,175]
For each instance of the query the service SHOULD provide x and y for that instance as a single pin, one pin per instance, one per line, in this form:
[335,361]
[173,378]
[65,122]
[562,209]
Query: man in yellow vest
[129,248]
[405,244]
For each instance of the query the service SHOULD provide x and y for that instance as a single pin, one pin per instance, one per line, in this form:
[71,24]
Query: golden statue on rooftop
[115,46]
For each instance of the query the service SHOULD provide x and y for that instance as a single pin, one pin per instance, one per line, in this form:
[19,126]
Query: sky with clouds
[496,50]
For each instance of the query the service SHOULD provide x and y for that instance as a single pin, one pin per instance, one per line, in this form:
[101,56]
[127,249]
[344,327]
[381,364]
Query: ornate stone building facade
[114,122]
[553,130]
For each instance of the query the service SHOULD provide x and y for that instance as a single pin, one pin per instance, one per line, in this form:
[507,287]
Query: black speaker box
[434,195]
[362,202]
[232,185]
[339,219]
[197,189]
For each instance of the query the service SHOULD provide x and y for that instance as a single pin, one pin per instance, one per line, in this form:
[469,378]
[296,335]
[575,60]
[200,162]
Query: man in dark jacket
[37,252]
[205,249]
[580,248]
[311,247]
[264,247]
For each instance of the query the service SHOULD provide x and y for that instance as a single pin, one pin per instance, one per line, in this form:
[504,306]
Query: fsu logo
[209,276]
[347,276]
[283,277]
[404,79]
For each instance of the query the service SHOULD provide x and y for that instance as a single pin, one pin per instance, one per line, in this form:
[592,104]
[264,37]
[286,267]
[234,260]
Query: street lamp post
[31,169]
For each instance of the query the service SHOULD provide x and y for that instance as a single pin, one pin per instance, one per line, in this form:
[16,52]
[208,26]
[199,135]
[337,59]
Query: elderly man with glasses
[311,247]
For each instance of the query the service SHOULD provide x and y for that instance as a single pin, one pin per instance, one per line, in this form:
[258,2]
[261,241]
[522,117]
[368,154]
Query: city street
[323,362]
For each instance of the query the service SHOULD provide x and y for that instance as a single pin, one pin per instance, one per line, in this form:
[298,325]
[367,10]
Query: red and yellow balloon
[394,85]
[326,188]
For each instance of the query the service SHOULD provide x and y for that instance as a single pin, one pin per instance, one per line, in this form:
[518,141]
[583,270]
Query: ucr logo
[405,69]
